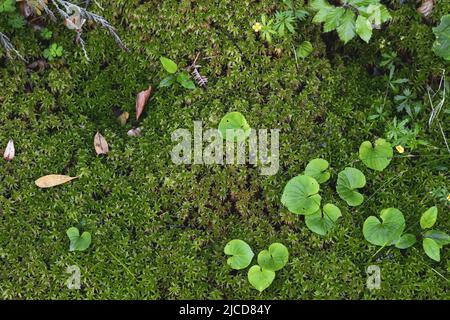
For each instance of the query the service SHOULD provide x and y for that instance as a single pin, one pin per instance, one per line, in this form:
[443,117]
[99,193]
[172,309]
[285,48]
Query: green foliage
[441,45]
[318,169]
[305,49]
[240,252]
[433,240]
[349,180]
[376,157]
[238,127]
[428,218]
[46,34]
[386,232]
[300,195]
[181,77]
[260,278]
[7,6]
[346,22]
[275,258]
[267,28]
[77,242]
[323,222]
[53,51]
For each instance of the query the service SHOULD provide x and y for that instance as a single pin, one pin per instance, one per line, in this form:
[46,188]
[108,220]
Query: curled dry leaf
[123,118]
[10,151]
[100,144]
[426,8]
[52,180]
[141,100]
[135,132]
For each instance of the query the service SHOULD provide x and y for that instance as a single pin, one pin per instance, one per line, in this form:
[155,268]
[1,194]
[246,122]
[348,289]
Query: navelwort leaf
[387,232]
[318,169]
[275,258]
[348,181]
[406,241]
[241,254]
[77,242]
[301,196]
[376,157]
[234,126]
[260,278]
[323,222]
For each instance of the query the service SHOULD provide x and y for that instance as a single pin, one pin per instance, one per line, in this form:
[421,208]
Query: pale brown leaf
[135,132]
[123,118]
[52,180]
[426,8]
[141,100]
[10,151]
[100,144]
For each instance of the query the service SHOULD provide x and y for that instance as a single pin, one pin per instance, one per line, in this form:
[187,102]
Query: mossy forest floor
[159,229]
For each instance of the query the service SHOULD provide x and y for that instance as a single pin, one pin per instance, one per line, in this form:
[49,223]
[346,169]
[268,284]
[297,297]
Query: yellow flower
[256,27]
[400,149]
[448,197]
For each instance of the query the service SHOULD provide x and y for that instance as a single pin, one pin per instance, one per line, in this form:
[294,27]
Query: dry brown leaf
[100,144]
[141,100]
[52,180]
[10,151]
[426,8]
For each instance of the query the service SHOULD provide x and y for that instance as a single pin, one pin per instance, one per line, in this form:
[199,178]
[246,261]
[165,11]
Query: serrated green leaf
[363,28]
[346,29]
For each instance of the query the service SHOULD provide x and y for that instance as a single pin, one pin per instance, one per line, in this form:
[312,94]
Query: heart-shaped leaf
[405,241]
[168,65]
[432,249]
[322,223]
[388,231]
[77,242]
[260,278]
[234,126]
[441,45]
[241,254]
[348,181]
[318,169]
[52,180]
[428,218]
[305,49]
[275,258]
[440,237]
[100,144]
[377,157]
[301,196]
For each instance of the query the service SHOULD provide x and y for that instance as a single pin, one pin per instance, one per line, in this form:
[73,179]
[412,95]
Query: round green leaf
[441,45]
[388,231]
[322,223]
[168,65]
[377,157]
[236,122]
[301,196]
[348,181]
[260,278]
[241,254]
[184,79]
[77,242]
[432,249]
[275,258]
[428,218]
[406,241]
[305,49]
[318,169]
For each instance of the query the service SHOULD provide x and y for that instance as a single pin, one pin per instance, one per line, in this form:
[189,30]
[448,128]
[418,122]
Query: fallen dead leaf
[426,8]
[52,180]
[10,151]
[141,100]
[100,144]
[123,118]
[135,132]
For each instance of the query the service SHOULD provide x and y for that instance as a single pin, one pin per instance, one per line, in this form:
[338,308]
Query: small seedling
[46,34]
[388,231]
[322,222]
[237,124]
[240,252]
[433,240]
[77,242]
[53,51]
[182,78]
[318,169]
